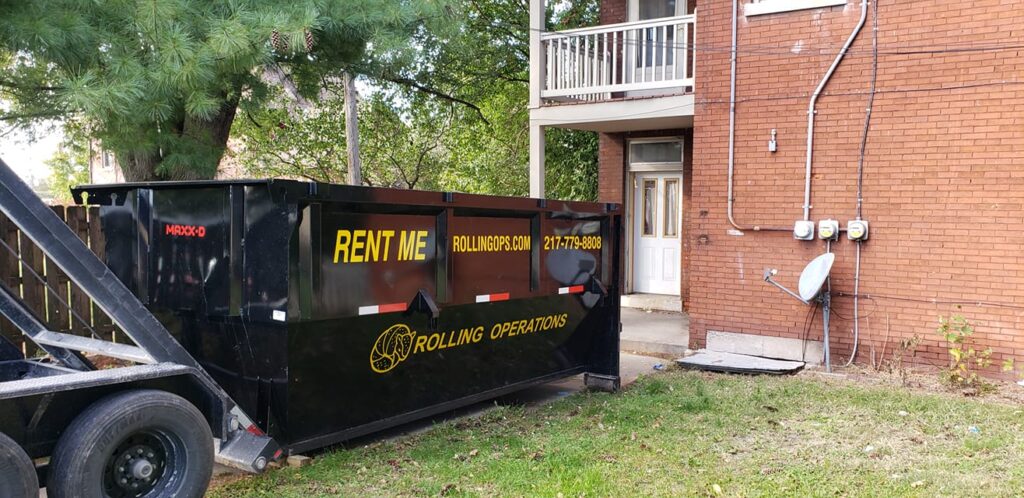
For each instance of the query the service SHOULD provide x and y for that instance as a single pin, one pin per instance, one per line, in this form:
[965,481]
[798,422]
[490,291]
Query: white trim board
[776,6]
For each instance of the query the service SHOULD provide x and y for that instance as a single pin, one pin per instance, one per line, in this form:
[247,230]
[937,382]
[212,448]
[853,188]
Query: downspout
[731,199]
[812,108]
[732,113]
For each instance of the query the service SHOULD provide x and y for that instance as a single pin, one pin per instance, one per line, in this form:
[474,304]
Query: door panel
[656,234]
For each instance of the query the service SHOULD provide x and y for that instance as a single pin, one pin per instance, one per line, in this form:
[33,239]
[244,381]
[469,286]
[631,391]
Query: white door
[657,223]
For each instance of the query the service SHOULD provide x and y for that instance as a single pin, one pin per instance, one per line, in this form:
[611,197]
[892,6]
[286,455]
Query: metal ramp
[154,348]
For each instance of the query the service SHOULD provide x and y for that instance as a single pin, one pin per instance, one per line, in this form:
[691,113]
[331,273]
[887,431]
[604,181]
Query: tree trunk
[209,137]
[138,166]
[355,166]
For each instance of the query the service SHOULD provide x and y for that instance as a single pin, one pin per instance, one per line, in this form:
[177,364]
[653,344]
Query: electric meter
[828,230]
[857,230]
[803,230]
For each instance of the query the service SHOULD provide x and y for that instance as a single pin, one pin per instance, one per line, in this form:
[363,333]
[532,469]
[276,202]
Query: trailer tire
[17,472]
[153,440]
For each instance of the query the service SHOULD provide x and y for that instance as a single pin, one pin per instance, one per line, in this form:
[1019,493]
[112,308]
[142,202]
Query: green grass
[690,434]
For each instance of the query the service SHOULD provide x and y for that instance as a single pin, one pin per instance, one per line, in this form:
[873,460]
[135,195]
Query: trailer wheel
[132,444]
[17,472]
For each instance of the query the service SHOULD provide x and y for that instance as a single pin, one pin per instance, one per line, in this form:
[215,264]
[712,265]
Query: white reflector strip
[576,289]
[381,308]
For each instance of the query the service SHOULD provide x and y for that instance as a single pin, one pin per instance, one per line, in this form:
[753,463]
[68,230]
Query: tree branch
[8,84]
[437,93]
[31,115]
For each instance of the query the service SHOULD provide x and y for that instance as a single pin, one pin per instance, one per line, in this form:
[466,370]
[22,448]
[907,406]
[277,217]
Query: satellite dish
[814,276]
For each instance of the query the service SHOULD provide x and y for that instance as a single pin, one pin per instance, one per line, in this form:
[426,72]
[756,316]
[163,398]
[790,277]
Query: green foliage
[964,360]
[402,146]
[483,65]
[452,115]
[159,82]
[69,166]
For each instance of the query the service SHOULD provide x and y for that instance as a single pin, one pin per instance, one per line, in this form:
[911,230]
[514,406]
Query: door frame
[632,169]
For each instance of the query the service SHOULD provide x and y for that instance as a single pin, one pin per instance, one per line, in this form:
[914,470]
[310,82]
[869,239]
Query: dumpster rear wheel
[132,444]
[17,472]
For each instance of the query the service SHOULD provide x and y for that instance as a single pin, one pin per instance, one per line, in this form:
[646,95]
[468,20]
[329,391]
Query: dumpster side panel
[521,305]
[374,259]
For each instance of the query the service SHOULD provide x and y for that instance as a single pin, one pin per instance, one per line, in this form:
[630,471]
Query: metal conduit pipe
[812,107]
[732,131]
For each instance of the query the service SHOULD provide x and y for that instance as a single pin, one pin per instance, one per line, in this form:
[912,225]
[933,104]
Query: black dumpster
[328,312]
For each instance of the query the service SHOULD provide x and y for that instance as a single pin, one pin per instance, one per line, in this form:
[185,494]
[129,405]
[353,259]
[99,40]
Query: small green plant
[964,360]
[1010,366]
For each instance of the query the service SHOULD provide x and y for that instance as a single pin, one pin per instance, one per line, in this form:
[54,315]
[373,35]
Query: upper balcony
[622,77]
[615,61]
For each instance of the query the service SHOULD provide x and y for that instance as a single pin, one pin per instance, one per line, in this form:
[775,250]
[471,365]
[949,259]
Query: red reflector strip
[252,429]
[381,308]
[576,289]
[490,298]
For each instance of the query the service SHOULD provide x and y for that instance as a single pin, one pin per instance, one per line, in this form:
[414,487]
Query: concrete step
[654,332]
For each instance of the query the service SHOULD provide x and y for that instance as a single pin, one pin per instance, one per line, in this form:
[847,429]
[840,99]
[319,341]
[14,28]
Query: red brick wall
[614,11]
[611,162]
[944,184]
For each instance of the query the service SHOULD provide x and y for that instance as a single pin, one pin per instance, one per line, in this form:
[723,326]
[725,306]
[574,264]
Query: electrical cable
[819,51]
[860,177]
[935,301]
[709,102]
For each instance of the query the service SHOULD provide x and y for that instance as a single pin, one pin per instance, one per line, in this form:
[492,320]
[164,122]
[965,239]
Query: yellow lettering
[406,246]
[373,245]
[358,243]
[387,234]
[465,336]
[433,342]
[341,245]
[421,341]
[421,242]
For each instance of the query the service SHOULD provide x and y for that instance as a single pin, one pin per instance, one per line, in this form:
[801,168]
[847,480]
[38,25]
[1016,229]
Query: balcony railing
[594,63]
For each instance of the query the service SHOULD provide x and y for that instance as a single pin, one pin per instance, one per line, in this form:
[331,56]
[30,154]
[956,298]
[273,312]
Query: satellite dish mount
[812,290]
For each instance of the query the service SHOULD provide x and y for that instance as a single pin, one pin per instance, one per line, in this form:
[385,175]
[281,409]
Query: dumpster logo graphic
[392,347]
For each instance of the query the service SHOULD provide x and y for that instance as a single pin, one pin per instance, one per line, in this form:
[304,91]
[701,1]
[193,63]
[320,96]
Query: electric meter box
[803,230]
[828,230]
[857,230]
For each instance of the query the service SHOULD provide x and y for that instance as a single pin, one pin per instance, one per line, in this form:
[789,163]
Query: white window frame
[651,167]
[757,8]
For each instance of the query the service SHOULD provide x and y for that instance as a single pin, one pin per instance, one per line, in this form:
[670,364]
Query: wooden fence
[47,291]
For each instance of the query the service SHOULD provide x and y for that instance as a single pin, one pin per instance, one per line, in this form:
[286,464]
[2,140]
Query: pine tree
[160,81]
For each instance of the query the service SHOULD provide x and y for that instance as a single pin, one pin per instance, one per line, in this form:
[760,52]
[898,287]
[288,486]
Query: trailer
[274,317]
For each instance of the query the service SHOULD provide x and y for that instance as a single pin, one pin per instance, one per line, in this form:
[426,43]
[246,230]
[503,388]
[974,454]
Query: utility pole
[352,130]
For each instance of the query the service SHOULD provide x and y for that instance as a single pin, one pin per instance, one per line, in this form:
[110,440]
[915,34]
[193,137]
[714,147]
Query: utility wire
[825,50]
[936,301]
[768,98]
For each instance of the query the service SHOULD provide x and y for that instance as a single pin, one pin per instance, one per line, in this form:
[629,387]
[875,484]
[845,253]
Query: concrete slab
[766,346]
[738,363]
[656,302]
[654,332]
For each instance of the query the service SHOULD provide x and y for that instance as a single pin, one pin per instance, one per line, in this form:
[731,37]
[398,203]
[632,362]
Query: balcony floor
[619,114]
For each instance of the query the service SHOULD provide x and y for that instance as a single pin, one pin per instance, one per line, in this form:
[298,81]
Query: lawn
[690,434]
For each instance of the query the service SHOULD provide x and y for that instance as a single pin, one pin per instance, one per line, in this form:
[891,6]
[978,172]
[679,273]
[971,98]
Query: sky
[28,158]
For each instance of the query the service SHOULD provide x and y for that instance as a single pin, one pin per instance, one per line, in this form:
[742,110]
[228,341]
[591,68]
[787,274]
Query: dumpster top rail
[311,191]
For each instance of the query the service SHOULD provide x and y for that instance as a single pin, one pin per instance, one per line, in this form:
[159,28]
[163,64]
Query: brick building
[943,182]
